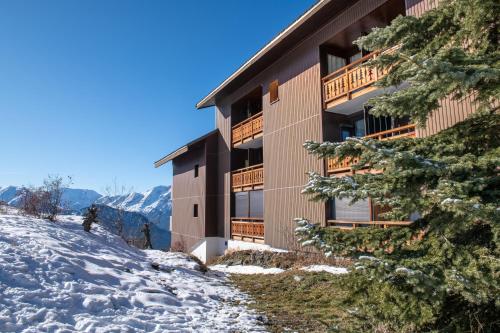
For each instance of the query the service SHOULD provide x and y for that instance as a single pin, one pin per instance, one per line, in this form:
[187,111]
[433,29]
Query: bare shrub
[44,201]
[284,260]
[53,188]
[31,201]
[115,190]
[178,246]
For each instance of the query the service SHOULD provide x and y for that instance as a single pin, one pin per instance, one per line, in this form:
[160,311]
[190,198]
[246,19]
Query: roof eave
[182,150]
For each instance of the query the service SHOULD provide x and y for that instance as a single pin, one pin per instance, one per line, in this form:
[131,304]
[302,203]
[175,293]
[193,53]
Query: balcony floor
[347,107]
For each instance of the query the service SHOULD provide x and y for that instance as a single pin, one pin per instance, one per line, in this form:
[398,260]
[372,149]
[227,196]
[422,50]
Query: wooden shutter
[273,91]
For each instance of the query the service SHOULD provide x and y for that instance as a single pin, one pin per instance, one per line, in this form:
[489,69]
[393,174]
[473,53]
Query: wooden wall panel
[223,122]
[449,113]
[211,212]
[295,118]
[187,191]
[418,7]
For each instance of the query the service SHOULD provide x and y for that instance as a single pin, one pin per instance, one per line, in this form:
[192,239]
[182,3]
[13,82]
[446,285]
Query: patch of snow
[236,245]
[245,269]
[55,277]
[325,268]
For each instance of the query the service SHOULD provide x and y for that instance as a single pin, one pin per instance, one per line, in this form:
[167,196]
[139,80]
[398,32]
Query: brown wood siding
[186,192]
[211,227]
[223,123]
[418,7]
[295,118]
[450,111]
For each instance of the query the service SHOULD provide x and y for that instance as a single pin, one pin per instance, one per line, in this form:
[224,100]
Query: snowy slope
[54,277]
[155,204]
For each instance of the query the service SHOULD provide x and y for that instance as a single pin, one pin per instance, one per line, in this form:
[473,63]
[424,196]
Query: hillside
[132,225]
[56,277]
[155,204]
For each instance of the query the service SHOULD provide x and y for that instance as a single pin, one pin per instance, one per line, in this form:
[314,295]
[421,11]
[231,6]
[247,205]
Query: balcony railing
[248,179]
[350,81]
[248,129]
[356,224]
[394,133]
[247,229]
[345,165]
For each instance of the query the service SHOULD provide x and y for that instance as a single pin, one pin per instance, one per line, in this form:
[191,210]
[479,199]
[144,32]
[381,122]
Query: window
[195,210]
[273,91]
[196,170]
[249,204]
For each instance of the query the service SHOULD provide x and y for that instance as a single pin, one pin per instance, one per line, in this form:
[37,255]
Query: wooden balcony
[406,131]
[248,129]
[334,166]
[247,179]
[348,225]
[247,229]
[350,81]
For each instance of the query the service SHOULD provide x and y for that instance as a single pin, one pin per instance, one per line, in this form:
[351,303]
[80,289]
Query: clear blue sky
[100,89]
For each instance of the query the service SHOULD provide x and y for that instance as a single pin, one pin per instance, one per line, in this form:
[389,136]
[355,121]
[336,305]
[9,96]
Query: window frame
[274,95]
[196,170]
[195,211]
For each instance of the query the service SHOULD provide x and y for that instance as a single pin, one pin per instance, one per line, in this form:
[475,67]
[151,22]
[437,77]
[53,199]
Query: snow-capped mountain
[155,204]
[73,199]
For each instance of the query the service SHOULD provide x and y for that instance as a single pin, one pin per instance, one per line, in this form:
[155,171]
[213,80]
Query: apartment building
[241,184]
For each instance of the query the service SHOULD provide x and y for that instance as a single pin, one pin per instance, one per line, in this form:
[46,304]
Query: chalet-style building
[241,183]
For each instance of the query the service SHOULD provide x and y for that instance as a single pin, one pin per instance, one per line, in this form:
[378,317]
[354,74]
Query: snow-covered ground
[326,268]
[54,277]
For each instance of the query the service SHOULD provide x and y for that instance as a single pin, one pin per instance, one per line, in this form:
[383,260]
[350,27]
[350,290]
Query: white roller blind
[241,204]
[360,211]
[257,204]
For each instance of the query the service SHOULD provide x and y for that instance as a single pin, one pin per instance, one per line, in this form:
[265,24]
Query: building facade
[309,83]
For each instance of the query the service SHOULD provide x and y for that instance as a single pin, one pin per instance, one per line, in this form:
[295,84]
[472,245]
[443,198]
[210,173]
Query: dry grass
[283,260]
[297,301]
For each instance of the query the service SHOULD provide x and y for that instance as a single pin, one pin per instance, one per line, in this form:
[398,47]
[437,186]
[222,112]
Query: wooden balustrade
[246,179]
[336,166]
[248,129]
[351,81]
[247,229]
[394,133]
[341,224]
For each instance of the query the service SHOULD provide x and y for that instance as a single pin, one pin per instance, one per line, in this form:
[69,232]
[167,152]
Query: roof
[312,19]
[183,149]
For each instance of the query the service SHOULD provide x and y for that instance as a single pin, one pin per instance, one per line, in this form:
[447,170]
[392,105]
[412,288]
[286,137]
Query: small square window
[196,170]
[273,91]
[195,210]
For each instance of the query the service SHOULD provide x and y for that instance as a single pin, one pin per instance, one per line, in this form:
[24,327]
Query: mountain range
[153,206]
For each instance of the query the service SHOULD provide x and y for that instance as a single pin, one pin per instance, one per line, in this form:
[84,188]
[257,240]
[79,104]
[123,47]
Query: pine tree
[90,217]
[442,272]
